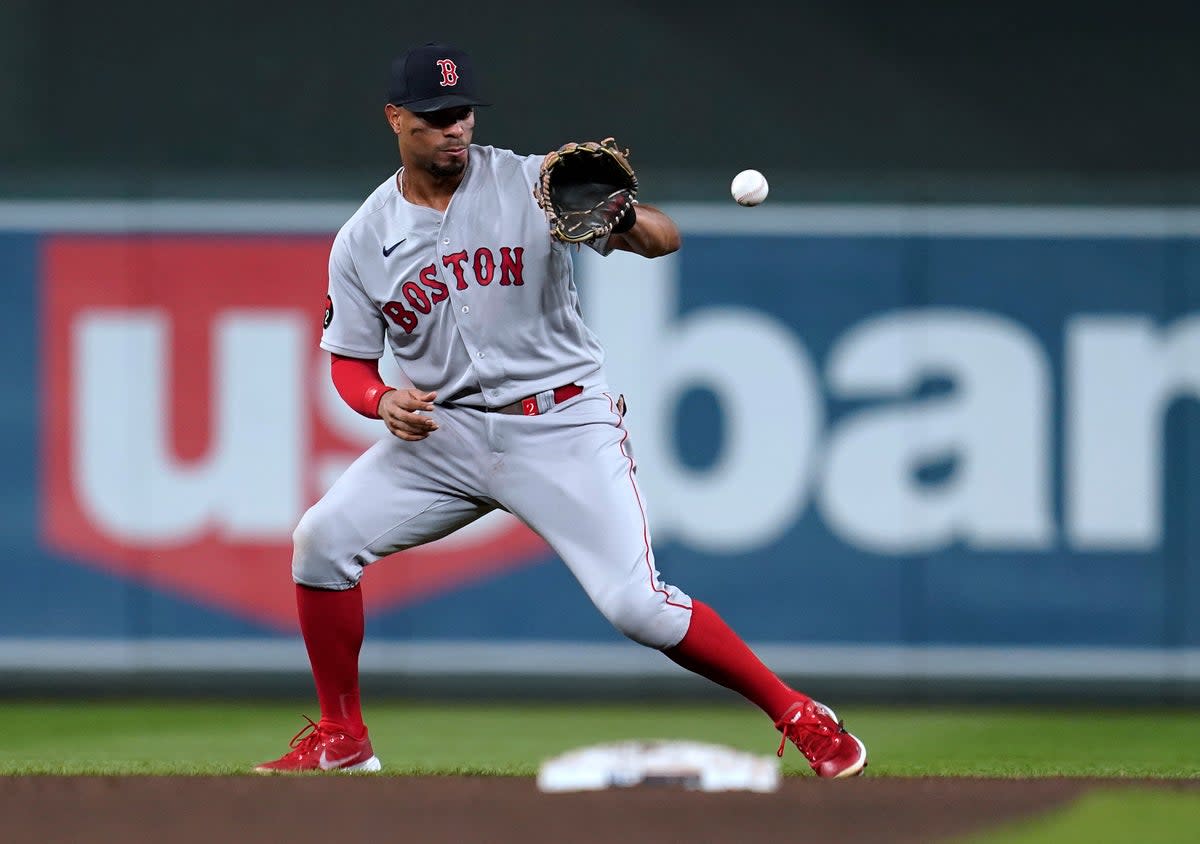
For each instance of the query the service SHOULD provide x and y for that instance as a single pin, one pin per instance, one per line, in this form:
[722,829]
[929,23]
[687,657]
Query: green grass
[141,737]
[1099,817]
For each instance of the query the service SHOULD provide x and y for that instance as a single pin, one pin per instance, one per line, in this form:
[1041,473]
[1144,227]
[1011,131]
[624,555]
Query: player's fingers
[405,432]
[414,423]
[397,412]
[413,400]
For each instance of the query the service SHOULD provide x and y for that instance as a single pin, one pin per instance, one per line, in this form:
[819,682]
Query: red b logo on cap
[449,72]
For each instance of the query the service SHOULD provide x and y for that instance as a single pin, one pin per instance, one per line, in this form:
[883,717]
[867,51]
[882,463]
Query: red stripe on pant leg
[637,495]
[711,648]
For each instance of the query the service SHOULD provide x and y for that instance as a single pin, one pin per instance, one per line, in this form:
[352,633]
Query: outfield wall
[898,447]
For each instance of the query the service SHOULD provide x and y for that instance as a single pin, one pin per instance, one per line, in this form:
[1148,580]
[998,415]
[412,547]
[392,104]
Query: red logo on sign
[189,421]
[449,73]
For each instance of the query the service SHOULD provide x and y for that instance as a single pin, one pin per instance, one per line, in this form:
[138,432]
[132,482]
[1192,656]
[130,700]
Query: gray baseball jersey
[479,304]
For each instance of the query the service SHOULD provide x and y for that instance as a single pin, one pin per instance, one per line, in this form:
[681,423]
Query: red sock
[332,624]
[711,649]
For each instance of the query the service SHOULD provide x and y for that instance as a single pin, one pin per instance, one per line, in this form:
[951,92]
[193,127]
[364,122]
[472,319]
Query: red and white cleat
[316,748]
[831,751]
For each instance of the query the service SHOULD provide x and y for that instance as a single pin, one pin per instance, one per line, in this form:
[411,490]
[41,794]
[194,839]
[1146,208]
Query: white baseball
[749,187]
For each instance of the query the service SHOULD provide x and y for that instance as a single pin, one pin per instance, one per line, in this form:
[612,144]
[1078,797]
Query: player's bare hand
[403,413]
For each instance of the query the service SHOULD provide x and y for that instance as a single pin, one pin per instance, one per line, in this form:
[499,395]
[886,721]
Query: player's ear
[392,114]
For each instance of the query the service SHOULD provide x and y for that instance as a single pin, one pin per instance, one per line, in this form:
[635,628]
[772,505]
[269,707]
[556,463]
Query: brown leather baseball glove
[587,190]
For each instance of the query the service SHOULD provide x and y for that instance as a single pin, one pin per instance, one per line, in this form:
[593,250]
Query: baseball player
[452,262]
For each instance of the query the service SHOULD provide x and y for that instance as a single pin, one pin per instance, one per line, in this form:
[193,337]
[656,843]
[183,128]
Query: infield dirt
[182,810]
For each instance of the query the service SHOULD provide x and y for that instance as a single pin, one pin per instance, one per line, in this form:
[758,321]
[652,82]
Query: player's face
[435,141]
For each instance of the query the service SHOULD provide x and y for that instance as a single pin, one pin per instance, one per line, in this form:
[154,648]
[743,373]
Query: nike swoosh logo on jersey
[388,250]
[328,764]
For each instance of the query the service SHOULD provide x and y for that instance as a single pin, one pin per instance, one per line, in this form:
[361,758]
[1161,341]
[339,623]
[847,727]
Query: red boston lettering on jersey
[455,262]
[416,297]
[485,265]
[511,266]
[449,73]
[429,278]
[401,315]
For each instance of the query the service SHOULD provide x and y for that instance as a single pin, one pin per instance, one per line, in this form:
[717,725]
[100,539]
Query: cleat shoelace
[813,734]
[306,739]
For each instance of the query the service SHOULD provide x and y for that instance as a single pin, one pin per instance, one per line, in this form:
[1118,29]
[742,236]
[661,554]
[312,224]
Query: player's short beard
[439,171]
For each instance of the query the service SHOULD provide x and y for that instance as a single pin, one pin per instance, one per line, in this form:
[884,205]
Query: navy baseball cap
[433,77]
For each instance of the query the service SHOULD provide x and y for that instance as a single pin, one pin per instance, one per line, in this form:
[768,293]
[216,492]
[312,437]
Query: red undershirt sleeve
[358,383]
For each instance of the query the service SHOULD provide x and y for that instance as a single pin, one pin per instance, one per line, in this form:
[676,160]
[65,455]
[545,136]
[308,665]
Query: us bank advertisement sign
[858,426]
